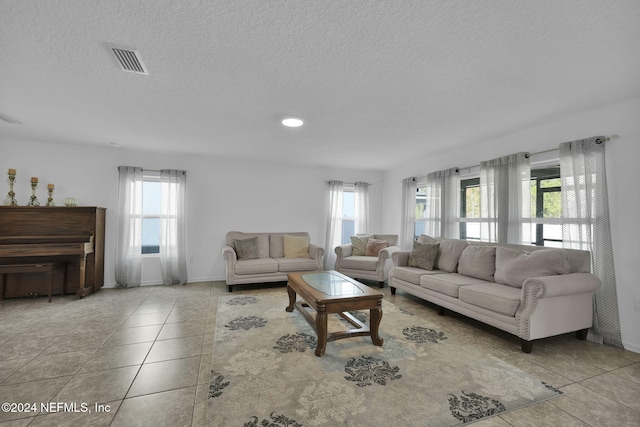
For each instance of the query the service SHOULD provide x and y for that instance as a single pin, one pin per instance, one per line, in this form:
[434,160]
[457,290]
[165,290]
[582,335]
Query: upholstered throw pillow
[359,244]
[513,267]
[374,246]
[478,262]
[449,255]
[423,238]
[246,248]
[296,246]
[423,255]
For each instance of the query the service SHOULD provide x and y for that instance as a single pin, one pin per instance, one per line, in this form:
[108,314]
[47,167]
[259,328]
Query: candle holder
[11,200]
[34,200]
[50,201]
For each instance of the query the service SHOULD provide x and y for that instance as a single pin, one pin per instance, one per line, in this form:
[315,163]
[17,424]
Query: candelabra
[34,200]
[50,201]
[11,200]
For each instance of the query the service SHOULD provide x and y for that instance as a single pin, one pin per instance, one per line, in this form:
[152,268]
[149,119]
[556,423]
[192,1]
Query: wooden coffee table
[332,292]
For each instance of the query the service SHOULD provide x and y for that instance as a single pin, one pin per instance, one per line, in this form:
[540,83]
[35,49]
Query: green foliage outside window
[551,199]
[421,202]
[472,202]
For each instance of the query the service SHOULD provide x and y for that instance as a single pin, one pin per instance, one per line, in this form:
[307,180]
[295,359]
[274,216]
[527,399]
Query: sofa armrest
[229,254]
[316,252]
[230,258]
[400,258]
[343,251]
[387,252]
[562,284]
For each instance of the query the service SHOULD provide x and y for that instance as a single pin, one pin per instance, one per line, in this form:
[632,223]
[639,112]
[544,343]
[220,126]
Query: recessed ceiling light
[114,144]
[292,122]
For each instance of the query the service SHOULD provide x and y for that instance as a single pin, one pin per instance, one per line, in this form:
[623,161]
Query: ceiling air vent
[128,59]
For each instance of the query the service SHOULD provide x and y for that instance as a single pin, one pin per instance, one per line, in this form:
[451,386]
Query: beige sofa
[269,262]
[529,291]
[367,267]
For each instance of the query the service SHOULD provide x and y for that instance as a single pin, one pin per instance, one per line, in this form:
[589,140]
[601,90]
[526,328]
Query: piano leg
[50,277]
[83,268]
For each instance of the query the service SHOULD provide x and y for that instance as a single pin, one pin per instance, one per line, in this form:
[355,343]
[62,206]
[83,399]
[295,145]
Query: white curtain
[442,204]
[129,229]
[585,217]
[362,207]
[173,259]
[407,232]
[334,224]
[505,199]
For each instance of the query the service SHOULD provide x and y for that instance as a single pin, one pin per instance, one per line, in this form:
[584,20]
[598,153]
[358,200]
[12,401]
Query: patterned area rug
[265,373]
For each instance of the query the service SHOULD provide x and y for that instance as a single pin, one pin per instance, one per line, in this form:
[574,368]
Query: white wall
[623,161]
[222,195]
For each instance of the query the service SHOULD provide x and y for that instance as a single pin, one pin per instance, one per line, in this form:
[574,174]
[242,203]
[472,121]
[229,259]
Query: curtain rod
[598,141]
[160,170]
[349,183]
[153,170]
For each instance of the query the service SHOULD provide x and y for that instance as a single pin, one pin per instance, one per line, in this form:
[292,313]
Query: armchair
[352,261]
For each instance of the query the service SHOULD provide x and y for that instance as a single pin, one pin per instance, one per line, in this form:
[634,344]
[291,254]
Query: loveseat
[366,258]
[530,291]
[268,257]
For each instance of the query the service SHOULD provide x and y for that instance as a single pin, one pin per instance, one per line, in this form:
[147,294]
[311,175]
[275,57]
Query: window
[151,214]
[421,212]
[546,206]
[470,209]
[348,214]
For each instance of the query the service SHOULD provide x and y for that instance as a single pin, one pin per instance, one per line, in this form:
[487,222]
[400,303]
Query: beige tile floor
[143,356]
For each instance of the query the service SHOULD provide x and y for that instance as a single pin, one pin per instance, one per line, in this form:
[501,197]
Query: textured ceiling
[378,82]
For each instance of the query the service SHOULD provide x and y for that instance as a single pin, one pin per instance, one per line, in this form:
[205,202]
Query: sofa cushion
[423,238]
[448,283]
[449,254]
[263,241]
[276,243]
[374,246]
[412,274]
[286,265]
[423,255]
[359,244]
[246,248]
[478,262]
[513,267]
[367,263]
[256,266]
[502,299]
[391,239]
[296,246]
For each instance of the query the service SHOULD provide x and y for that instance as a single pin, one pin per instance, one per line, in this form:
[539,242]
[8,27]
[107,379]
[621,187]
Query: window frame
[149,176]
[416,220]
[347,188]
[540,174]
[469,182]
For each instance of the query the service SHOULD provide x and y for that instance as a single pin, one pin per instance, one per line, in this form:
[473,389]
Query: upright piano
[72,239]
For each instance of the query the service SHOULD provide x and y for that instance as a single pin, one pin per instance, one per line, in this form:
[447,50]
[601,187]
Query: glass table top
[331,284]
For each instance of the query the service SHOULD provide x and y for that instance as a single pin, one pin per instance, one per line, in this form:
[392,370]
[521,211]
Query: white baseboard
[634,347]
[191,280]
